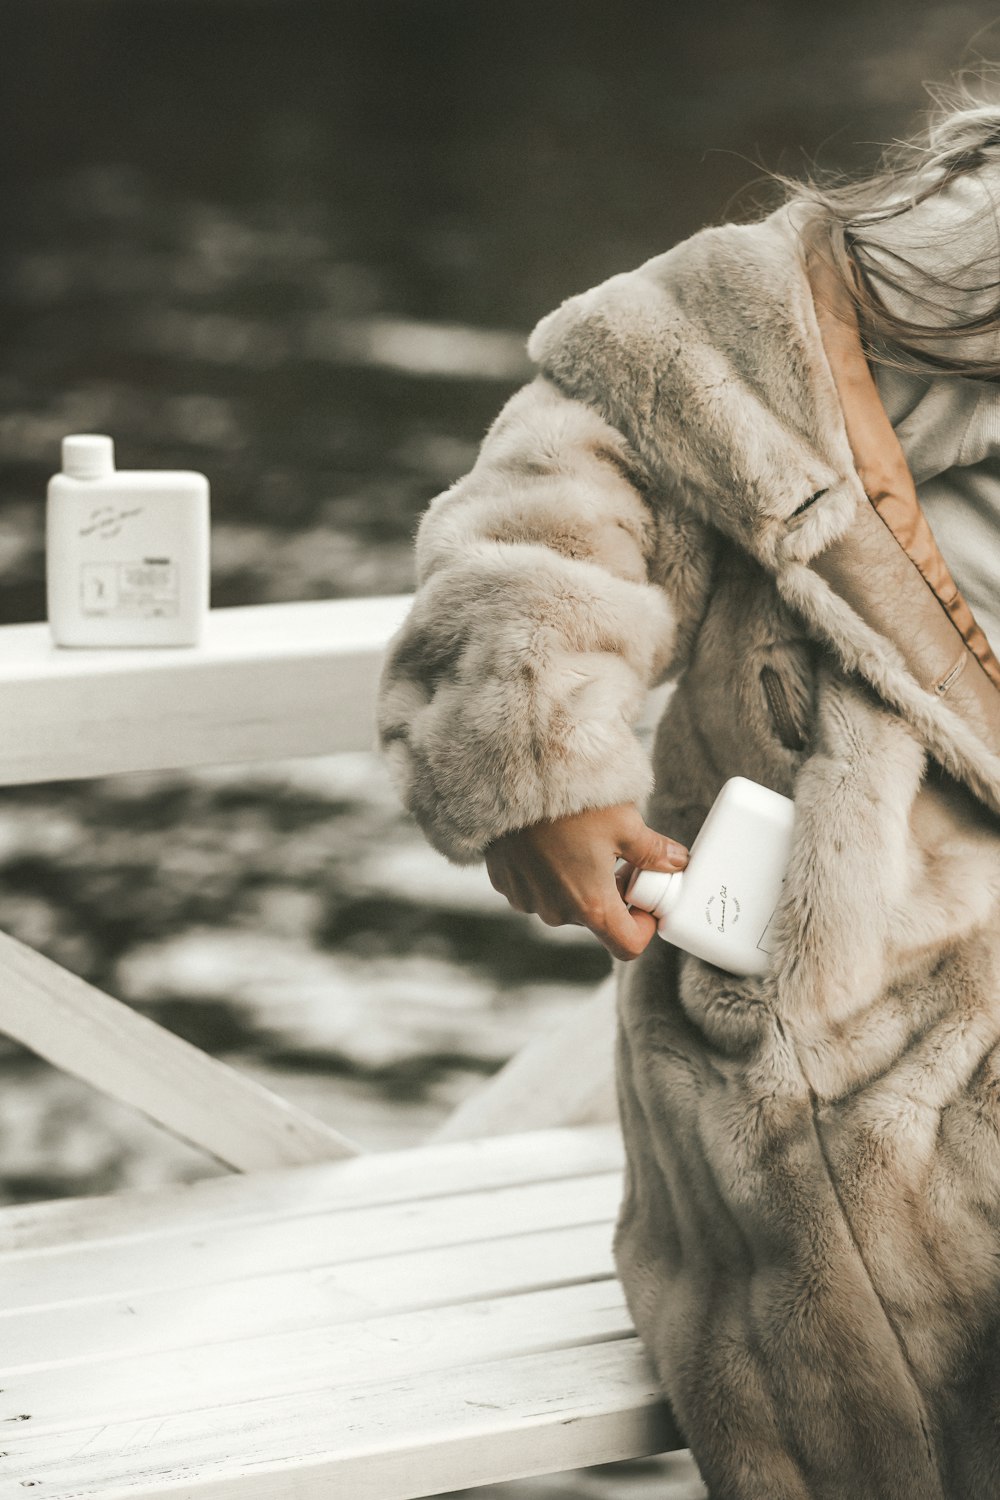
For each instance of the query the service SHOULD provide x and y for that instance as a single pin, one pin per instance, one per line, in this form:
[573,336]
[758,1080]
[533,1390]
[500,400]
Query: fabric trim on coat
[902,547]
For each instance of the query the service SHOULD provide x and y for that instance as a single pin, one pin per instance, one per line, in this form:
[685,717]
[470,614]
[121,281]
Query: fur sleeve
[509,694]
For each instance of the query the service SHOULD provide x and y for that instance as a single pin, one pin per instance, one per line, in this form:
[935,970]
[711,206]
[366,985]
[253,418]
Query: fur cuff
[509,694]
[541,673]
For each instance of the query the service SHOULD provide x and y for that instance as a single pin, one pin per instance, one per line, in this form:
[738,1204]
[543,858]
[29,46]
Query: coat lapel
[712,361]
[888,566]
[877,587]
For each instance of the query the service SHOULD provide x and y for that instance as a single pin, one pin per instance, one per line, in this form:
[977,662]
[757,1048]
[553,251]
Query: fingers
[623,932]
[562,871]
[646,849]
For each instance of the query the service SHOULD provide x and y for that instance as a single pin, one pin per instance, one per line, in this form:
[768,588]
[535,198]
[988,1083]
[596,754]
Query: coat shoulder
[643,313]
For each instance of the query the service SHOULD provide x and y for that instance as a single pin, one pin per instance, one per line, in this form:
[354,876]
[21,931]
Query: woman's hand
[565,871]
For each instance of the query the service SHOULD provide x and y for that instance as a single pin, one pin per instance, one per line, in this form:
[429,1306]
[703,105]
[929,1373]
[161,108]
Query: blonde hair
[960,135]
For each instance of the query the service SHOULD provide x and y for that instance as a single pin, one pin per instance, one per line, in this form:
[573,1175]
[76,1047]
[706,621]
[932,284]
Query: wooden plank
[268,681]
[396,1440]
[214,1256]
[286,1300]
[126,1055]
[536,1088]
[322,1357]
[380,1177]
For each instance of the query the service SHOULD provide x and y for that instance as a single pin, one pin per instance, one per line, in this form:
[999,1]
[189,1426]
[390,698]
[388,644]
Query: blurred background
[299,245]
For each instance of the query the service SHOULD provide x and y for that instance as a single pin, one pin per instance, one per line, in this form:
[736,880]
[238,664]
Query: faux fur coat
[700,485]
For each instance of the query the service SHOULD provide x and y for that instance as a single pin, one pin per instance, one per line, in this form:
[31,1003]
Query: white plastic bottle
[127,552]
[720,906]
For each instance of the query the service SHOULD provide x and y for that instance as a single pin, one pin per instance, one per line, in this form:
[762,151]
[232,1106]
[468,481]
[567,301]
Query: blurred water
[299,246]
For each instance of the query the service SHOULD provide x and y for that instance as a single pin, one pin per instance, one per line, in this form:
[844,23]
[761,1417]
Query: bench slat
[301,1299]
[384,1177]
[267,682]
[395,1440]
[398,1328]
[222,1253]
[324,1357]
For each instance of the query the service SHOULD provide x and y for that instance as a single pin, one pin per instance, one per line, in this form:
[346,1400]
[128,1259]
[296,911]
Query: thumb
[645,849]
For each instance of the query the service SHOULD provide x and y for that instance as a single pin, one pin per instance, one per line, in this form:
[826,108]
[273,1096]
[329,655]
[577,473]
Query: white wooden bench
[330,1323]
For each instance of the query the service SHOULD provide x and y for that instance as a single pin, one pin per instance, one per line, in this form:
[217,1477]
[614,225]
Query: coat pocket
[788,726]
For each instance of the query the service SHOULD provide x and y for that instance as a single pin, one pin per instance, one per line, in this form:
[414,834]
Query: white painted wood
[340,1356]
[88,1034]
[470,1316]
[268,681]
[394,1439]
[377,1343]
[213,1256]
[566,1076]
[386,1177]
[407,1281]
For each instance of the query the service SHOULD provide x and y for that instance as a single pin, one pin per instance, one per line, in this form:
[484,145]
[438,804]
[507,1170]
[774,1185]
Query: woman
[706,483]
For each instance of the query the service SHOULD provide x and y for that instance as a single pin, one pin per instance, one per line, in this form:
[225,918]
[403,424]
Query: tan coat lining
[879,458]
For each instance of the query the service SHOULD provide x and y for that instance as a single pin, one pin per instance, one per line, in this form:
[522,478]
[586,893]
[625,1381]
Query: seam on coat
[846,319]
[835,1189]
[789,732]
[810,500]
[953,672]
[941,602]
[792,1448]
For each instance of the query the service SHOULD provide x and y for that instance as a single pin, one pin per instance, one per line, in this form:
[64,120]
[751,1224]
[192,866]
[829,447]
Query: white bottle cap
[87,455]
[655,891]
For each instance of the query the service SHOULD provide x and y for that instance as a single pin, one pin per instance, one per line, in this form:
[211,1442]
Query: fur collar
[711,360]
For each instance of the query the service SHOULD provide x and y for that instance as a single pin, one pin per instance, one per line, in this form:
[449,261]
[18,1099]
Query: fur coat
[701,486]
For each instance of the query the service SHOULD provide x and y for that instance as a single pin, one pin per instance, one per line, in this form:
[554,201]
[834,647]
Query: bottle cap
[655,891]
[88,455]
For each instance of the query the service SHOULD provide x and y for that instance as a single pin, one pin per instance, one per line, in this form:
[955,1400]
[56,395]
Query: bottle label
[145,589]
[722,911]
[106,521]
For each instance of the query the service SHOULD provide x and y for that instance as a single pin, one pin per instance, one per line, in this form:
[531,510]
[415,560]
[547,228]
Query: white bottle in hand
[720,906]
